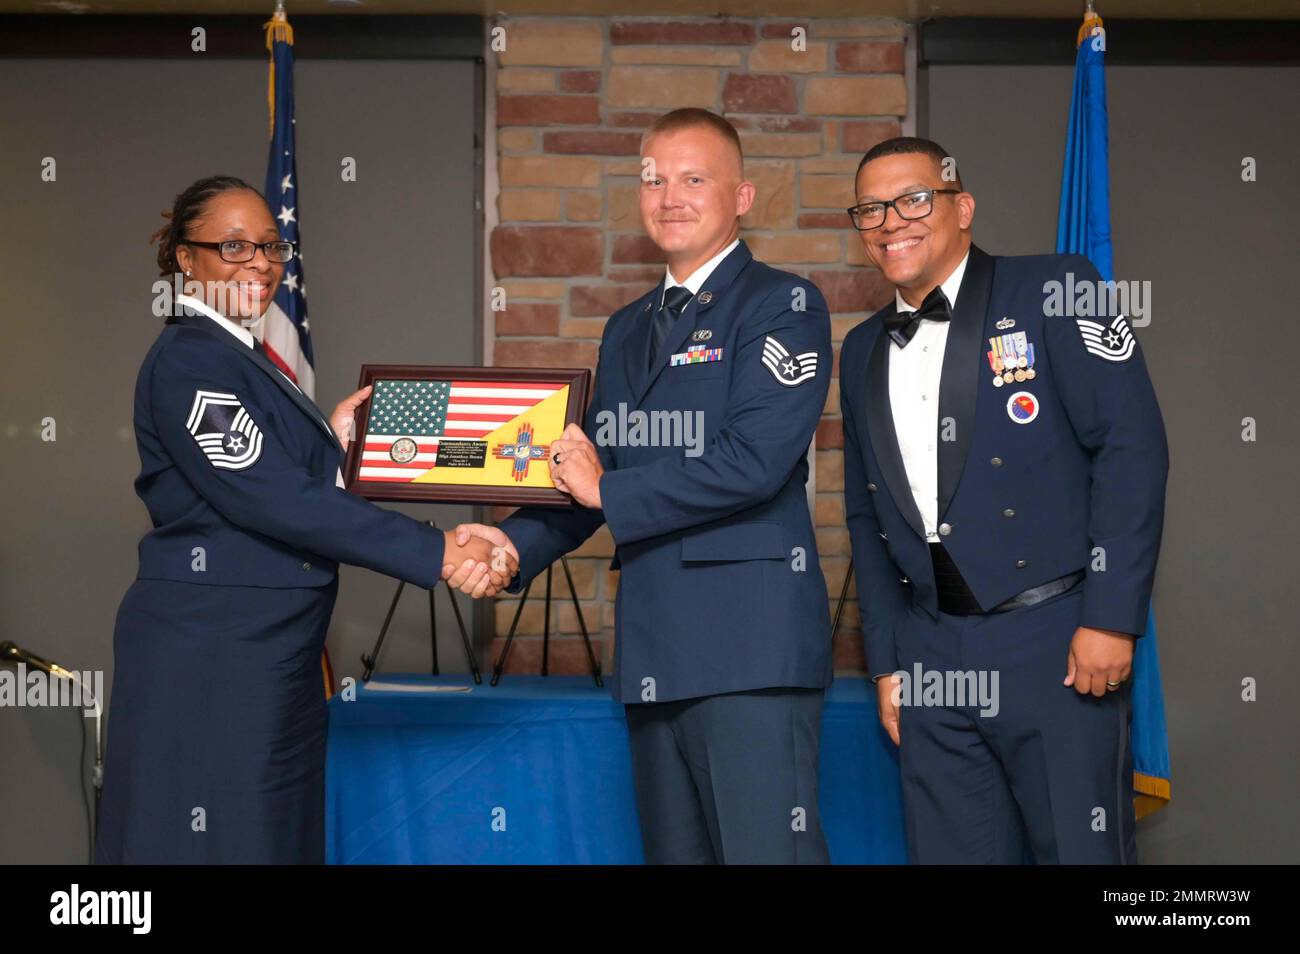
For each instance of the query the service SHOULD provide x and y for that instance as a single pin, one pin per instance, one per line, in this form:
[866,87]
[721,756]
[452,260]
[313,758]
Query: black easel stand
[546,629]
[844,593]
[369,660]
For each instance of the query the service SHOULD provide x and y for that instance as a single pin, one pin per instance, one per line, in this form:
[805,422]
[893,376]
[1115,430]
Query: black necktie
[675,300]
[901,326]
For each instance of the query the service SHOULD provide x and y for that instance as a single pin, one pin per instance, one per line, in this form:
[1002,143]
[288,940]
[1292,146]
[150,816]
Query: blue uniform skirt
[216,727]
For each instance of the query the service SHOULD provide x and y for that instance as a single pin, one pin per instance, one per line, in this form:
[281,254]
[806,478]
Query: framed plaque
[462,434]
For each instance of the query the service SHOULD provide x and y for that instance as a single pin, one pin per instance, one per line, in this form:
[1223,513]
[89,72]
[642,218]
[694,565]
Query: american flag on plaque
[468,433]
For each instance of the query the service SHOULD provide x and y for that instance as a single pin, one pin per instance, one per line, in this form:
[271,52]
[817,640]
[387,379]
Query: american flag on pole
[411,420]
[286,334]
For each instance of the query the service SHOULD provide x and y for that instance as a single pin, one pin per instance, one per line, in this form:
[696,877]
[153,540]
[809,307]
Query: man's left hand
[578,472]
[1098,657]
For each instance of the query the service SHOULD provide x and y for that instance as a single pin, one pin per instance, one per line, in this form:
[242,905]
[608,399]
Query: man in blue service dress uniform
[723,650]
[1004,489]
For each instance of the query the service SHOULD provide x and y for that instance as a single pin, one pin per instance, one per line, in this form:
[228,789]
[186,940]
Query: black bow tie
[901,326]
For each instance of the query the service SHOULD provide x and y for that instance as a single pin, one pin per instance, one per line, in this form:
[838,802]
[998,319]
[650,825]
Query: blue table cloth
[537,771]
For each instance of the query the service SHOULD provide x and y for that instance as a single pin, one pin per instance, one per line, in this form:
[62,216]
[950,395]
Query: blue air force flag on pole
[1083,227]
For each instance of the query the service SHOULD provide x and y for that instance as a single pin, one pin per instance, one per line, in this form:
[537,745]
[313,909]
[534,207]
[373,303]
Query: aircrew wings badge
[223,430]
[787,368]
[1114,342]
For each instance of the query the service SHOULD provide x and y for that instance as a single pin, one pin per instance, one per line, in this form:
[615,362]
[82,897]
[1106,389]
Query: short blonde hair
[692,117]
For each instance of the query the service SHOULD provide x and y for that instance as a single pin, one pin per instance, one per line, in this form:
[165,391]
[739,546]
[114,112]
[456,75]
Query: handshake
[480,560]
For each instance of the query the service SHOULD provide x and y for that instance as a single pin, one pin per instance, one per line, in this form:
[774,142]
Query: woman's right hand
[341,419]
[469,566]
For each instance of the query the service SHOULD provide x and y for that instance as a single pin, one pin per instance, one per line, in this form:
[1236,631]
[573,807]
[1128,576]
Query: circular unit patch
[1022,407]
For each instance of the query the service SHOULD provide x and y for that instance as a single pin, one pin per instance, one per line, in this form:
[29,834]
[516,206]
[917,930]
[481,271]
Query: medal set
[1011,357]
[695,354]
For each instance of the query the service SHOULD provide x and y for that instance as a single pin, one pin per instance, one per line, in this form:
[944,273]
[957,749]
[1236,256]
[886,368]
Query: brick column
[573,96]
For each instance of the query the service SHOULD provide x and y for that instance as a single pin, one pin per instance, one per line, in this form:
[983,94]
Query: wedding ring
[1112,685]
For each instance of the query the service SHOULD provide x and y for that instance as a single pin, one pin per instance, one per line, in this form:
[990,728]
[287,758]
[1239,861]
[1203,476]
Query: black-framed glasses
[913,205]
[238,251]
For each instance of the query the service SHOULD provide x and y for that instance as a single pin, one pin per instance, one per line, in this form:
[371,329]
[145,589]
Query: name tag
[696,354]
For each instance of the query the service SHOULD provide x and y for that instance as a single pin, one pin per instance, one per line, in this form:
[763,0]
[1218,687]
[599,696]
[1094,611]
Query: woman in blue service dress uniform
[216,734]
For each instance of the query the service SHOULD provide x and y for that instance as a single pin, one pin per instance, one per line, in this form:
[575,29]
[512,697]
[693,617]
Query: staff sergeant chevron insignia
[786,368]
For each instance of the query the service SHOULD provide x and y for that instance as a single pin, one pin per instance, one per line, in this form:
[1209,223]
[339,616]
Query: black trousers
[729,779]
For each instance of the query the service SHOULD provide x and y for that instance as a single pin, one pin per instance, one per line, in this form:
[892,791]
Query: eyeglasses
[237,251]
[913,205]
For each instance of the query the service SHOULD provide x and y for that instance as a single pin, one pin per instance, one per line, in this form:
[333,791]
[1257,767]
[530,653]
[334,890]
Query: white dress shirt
[244,335]
[914,374]
[240,331]
[697,277]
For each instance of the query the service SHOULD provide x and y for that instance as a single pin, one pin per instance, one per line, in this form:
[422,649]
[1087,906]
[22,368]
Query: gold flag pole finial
[277,28]
[1091,22]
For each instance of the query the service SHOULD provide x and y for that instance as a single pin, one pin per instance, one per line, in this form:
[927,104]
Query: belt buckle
[1032,597]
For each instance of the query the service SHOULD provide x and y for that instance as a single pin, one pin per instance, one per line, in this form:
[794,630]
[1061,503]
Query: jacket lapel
[962,365]
[714,287]
[304,403]
[636,345]
[880,427]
